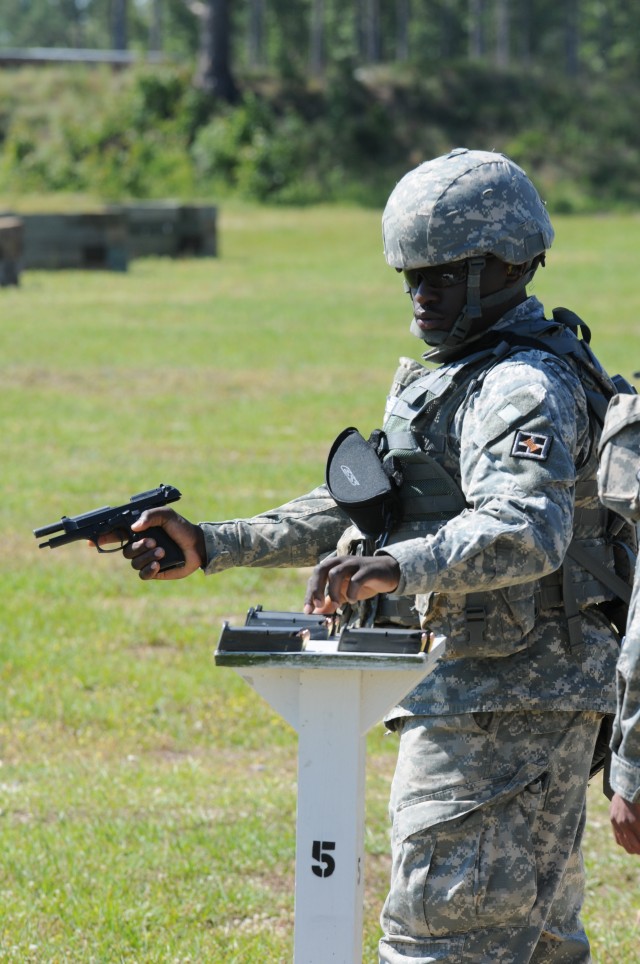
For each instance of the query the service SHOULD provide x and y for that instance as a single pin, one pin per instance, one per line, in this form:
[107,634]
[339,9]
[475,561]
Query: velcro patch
[531,445]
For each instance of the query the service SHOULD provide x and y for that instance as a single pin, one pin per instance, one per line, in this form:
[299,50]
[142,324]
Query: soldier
[493,456]
[619,488]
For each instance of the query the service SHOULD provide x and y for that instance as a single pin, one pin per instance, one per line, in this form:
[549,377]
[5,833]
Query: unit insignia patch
[531,445]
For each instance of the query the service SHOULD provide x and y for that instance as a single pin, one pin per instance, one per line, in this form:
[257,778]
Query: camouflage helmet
[466,205]
[461,205]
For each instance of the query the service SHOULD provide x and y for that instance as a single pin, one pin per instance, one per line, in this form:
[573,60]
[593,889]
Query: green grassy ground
[147,799]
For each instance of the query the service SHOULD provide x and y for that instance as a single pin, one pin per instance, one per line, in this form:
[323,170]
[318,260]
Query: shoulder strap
[584,558]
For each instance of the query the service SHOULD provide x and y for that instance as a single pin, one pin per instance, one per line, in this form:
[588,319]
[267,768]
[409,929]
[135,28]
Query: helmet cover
[462,205]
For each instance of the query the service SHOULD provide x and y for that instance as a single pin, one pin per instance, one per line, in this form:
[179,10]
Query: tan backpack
[619,454]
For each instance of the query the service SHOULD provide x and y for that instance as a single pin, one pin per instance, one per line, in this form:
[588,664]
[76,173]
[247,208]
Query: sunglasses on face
[439,276]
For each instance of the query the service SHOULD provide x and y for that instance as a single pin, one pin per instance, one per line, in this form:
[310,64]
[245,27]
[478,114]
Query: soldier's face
[440,293]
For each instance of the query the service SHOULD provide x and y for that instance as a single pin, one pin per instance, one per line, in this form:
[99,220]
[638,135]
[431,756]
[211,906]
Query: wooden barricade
[94,240]
[198,230]
[11,245]
[108,239]
[171,229]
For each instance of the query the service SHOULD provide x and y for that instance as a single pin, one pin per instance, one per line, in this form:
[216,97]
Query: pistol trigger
[125,537]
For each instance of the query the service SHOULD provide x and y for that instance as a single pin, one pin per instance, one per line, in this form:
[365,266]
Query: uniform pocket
[490,624]
[467,862]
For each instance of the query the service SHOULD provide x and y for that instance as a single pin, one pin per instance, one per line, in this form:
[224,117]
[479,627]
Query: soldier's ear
[516,271]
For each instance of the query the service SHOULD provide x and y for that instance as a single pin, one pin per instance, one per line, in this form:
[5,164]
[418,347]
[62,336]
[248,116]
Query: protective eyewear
[439,276]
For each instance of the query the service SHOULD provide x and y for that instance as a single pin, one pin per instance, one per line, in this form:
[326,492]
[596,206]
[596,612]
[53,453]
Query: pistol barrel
[47,530]
[63,540]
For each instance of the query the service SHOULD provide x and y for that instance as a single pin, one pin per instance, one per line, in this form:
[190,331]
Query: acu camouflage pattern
[298,533]
[488,814]
[624,775]
[461,205]
[619,490]
[488,802]
[515,530]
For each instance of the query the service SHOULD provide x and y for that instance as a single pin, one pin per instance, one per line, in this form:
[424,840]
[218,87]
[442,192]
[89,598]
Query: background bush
[148,133]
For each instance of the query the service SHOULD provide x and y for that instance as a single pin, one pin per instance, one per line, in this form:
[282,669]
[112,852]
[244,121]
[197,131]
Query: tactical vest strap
[401,441]
[549,592]
[586,517]
[475,617]
[586,488]
[572,613]
[586,558]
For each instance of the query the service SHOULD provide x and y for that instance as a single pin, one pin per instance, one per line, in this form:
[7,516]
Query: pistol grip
[173,554]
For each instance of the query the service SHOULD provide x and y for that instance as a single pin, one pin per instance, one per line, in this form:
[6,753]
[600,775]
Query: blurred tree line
[305,37]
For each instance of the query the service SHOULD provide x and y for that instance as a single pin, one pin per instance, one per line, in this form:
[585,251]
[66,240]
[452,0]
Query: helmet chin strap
[446,344]
[454,336]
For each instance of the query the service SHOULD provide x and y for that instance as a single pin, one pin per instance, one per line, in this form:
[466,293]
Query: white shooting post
[331,699]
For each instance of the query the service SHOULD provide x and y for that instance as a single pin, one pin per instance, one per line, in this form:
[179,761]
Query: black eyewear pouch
[359,484]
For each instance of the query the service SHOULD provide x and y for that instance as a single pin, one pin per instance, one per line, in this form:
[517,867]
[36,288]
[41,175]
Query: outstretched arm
[297,533]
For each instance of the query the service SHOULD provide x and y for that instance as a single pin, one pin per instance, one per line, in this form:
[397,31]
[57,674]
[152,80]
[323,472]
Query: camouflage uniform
[624,776]
[491,791]
[488,816]
[619,487]
[488,800]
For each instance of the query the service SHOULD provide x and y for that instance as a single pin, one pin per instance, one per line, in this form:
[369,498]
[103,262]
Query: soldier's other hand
[145,555]
[347,579]
[625,821]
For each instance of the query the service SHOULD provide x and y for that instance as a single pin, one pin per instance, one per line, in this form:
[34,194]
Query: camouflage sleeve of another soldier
[619,488]
[625,744]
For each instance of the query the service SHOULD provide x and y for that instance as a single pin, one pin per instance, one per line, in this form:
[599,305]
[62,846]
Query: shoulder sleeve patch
[531,445]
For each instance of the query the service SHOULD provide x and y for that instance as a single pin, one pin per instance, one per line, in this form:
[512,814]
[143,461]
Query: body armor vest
[417,437]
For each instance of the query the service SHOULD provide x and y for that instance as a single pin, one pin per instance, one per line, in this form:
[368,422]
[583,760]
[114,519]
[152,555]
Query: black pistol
[118,520]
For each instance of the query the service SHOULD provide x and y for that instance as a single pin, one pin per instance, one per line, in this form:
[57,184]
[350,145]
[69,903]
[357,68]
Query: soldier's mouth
[428,321]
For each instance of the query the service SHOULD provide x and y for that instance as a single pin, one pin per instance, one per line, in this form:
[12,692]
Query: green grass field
[147,799]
